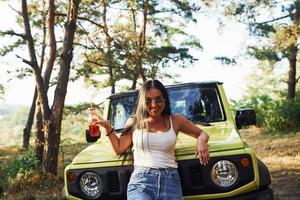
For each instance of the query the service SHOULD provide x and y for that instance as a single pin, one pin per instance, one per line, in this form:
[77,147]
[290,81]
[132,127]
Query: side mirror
[92,134]
[245,117]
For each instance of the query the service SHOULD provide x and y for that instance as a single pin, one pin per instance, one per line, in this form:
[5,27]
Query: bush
[21,167]
[284,115]
[273,115]
[22,164]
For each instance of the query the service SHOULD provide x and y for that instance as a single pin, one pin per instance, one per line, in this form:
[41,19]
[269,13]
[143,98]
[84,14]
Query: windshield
[200,105]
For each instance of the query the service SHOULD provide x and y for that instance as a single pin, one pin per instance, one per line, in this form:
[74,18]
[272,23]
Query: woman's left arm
[187,127]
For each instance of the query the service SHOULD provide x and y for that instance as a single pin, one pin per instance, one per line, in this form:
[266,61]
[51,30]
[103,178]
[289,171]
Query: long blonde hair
[140,110]
[141,114]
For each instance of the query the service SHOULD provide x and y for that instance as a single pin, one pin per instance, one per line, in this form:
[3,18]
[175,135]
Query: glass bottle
[94,129]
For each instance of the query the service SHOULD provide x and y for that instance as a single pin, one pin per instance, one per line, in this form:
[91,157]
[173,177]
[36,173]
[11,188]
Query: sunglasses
[155,101]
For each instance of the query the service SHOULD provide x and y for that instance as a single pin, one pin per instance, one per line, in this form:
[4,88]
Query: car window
[120,109]
[195,103]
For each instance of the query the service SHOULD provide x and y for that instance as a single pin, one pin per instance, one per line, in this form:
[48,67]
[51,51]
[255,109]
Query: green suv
[233,172]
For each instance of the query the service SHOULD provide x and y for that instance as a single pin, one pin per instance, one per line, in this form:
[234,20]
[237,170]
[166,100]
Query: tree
[52,117]
[135,42]
[39,127]
[38,15]
[276,25]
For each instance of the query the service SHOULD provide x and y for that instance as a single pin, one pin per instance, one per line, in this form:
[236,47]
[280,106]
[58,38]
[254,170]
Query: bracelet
[112,130]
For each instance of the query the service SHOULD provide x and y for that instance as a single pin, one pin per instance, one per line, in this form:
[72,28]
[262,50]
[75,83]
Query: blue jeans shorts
[154,184]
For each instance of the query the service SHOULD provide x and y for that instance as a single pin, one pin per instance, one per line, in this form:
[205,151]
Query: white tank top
[155,150]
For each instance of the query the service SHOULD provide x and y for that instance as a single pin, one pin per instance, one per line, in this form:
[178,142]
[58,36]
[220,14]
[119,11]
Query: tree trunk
[30,119]
[293,57]
[39,137]
[292,73]
[109,55]
[52,127]
[134,82]
[42,94]
[142,43]
[40,87]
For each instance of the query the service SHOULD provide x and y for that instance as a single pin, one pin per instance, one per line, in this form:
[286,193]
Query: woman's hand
[95,119]
[202,152]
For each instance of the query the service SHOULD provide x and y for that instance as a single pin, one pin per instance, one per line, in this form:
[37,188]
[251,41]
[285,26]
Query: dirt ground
[282,157]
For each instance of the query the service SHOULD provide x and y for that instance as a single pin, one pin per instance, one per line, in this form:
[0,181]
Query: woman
[152,131]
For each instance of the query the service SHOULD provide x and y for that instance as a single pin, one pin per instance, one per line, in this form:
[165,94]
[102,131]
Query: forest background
[116,45]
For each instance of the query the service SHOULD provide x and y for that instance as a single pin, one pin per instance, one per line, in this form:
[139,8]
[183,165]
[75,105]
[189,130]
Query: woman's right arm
[119,144]
[122,143]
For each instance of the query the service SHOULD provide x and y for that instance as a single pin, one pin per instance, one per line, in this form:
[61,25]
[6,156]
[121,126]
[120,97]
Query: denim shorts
[154,184]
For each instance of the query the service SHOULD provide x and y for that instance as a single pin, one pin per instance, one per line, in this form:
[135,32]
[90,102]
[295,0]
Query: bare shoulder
[178,117]
[178,120]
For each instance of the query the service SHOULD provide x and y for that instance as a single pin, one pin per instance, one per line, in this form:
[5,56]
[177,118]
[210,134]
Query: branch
[91,21]
[24,60]
[297,79]
[82,18]
[84,46]
[126,9]
[13,33]
[52,42]
[273,20]
[90,39]
[93,62]
[14,9]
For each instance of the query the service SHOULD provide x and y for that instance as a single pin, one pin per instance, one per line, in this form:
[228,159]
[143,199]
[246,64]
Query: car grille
[196,175]
[114,183]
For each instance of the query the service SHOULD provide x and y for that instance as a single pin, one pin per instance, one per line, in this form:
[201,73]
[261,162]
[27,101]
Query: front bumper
[262,194]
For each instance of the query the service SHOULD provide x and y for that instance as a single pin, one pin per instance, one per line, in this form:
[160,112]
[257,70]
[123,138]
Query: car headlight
[224,173]
[91,184]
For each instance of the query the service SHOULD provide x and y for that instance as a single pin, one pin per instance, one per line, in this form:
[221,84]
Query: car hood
[221,138]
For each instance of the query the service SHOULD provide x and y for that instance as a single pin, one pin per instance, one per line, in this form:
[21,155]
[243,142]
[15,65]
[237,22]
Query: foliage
[265,94]
[226,61]
[21,167]
[274,115]
[284,115]
[73,128]
[35,185]
[20,178]
[274,31]
[13,120]
[264,53]
[138,44]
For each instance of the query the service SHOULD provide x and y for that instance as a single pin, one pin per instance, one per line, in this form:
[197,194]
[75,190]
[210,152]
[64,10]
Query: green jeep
[233,172]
